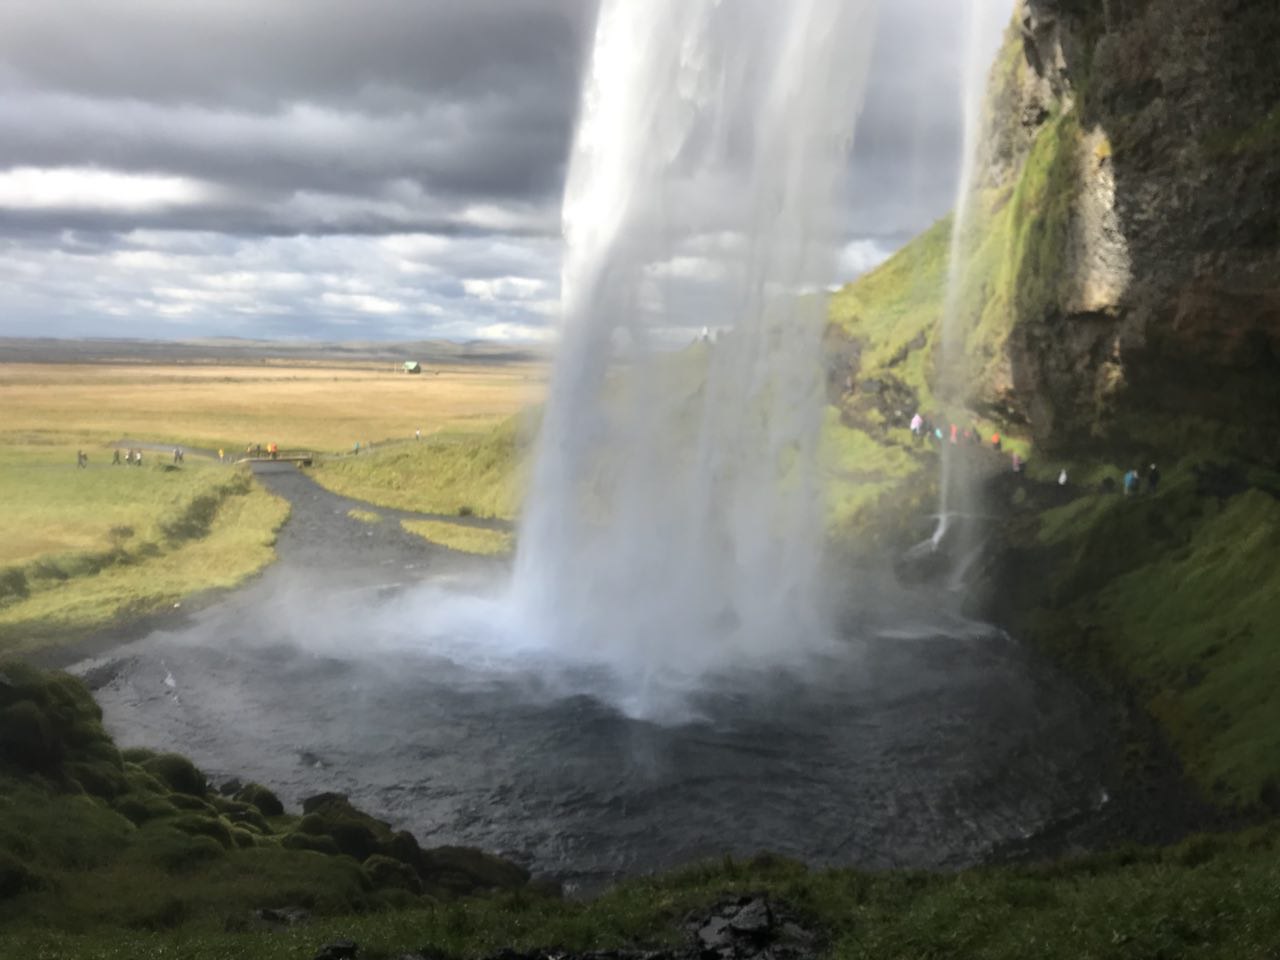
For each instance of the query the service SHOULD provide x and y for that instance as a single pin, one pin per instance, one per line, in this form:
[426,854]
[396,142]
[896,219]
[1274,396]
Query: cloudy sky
[333,169]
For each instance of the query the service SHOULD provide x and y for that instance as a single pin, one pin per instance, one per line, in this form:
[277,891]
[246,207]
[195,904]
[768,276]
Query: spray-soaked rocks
[331,825]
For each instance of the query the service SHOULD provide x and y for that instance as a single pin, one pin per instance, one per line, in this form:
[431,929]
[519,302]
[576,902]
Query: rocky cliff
[1134,144]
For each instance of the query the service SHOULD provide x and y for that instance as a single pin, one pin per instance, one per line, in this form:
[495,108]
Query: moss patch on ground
[464,538]
[94,840]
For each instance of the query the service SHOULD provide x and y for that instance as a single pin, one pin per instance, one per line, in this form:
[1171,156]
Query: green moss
[215,828]
[178,773]
[268,803]
[138,808]
[1180,593]
[316,843]
[387,872]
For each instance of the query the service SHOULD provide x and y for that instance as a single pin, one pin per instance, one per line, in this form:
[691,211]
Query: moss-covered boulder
[317,843]
[241,814]
[177,773]
[138,808]
[177,851]
[354,832]
[388,873]
[255,794]
[140,781]
[464,870]
[204,826]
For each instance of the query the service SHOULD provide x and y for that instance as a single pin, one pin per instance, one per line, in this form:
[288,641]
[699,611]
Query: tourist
[1131,483]
[417,434]
[115,457]
[917,424]
[221,455]
[1153,478]
[356,449]
[995,442]
[81,460]
[177,455]
[1017,462]
[1062,477]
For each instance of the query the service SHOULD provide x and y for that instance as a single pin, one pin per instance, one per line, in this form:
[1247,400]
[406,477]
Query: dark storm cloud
[159,156]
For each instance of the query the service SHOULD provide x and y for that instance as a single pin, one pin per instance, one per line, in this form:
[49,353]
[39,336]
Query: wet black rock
[749,927]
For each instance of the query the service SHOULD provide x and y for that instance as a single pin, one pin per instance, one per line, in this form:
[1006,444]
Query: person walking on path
[417,434]
[1153,478]
[82,460]
[115,457]
[1131,483]
[221,455]
[917,423]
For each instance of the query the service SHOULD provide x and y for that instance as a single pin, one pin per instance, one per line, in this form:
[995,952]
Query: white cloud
[504,288]
[87,188]
[859,256]
[362,303]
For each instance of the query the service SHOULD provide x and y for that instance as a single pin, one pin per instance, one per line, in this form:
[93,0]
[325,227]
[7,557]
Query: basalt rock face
[1147,310]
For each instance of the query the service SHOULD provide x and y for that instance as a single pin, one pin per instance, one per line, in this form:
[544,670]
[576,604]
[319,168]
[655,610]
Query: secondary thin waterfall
[673,525]
[956,490]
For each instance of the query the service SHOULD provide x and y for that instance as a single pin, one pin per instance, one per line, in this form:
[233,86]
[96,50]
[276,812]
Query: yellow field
[323,408]
[456,536]
[83,548]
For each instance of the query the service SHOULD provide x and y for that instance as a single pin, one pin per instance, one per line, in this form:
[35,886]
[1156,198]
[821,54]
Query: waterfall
[674,520]
[956,491]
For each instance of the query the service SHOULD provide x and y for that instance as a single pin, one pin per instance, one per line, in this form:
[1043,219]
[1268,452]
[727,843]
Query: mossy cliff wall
[1140,292]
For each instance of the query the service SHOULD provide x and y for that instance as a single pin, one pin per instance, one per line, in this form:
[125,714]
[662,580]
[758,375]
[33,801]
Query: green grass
[463,538]
[478,473]
[1211,897]
[53,509]
[86,548]
[1180,593]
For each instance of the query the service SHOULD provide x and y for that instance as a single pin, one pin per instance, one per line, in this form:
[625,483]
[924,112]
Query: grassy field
[317,408]
[479,473]
[83,548]
[465,539]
